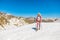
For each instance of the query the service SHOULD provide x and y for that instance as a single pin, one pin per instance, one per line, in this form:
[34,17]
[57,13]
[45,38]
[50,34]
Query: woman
[38,21]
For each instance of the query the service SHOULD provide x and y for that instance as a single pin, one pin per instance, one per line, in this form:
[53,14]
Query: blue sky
[27,8]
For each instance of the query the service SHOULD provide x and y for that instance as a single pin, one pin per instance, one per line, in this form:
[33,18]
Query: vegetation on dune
[30,20]
[48,20]
[3,21]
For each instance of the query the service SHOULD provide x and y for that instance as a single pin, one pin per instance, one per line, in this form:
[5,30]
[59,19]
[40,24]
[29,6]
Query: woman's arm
[40,19]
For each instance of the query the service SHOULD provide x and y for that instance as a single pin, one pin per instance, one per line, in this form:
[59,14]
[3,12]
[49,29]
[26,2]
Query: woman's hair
[38,14]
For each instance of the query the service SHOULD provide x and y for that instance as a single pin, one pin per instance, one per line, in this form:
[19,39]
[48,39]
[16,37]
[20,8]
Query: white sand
[49,31]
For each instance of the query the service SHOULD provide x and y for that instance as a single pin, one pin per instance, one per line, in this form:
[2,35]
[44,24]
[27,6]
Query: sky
[30,8]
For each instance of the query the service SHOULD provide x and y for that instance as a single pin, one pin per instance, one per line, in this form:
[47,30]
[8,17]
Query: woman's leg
[37,25]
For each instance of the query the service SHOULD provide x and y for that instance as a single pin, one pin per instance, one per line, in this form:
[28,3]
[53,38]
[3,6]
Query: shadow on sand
[34,28]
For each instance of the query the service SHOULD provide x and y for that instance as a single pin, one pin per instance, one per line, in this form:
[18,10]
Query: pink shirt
[38,19]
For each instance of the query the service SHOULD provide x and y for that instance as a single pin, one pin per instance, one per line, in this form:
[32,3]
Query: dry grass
[29,20]
[16,24]
[3,21]
[48,20]
[10,16]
